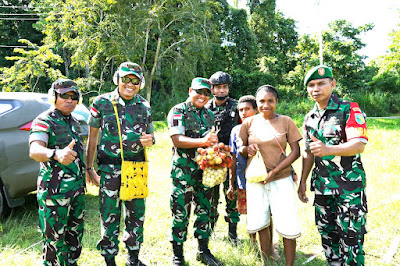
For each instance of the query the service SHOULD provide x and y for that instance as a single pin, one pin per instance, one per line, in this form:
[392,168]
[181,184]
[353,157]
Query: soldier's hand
[94,178]
[302,192]
[252,150]
[210,139]
[66,155]
[231,193]
[318,148]
[146,140]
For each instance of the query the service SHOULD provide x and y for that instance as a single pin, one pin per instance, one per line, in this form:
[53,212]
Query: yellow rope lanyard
[119,129]
[120,135]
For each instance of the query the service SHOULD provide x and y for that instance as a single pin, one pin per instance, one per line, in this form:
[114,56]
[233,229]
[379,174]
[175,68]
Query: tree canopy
[177,40]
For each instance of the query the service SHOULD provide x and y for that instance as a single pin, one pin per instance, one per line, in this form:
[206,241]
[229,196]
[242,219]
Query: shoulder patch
[359,118]
[356,126]
[39,127]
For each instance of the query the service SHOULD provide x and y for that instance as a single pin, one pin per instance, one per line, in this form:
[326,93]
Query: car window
[8,105]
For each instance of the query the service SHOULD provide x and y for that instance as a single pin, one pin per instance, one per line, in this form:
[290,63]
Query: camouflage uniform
[186,119]
[135,117]
[339,182]
[226,117]
[61,189]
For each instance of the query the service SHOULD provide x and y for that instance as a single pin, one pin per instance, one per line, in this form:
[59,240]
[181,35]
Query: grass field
[20,240]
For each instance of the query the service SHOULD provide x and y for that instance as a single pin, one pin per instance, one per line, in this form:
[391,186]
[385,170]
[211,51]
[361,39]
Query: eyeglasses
[66,96]
[203,92]
[126,80]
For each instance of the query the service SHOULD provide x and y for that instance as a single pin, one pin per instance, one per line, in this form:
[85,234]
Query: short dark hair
[248,99]
[268,88]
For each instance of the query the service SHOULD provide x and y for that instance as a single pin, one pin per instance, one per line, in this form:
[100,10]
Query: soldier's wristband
[89,168]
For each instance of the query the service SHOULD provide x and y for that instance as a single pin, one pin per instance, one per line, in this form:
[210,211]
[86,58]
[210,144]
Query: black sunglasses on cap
[126,80]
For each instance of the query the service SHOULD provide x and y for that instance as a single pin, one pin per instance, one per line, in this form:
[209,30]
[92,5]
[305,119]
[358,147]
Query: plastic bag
[256,171]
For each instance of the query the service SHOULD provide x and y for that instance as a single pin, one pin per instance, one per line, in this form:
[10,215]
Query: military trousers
[341,222]
[232,213]
[110,215]
[61,222]
[184,194]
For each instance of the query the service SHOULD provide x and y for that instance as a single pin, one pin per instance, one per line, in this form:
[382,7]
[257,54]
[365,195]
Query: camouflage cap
[65,85]
[201,83]
[318,72]
[127,68]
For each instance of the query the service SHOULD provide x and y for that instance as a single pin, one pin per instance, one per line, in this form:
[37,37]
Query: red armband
[356,126]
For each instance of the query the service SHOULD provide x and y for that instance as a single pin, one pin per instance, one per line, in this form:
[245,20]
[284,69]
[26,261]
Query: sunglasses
[203,92]
[66,96]
[135,81]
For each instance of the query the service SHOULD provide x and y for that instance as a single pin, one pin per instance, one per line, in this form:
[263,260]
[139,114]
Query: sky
[314,15]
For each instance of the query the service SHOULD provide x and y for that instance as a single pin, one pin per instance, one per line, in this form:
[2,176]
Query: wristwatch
[51,154]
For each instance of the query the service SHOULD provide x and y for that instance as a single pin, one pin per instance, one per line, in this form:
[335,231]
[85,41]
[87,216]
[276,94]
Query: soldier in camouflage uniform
[56,143]
[335,134]
[190,127]
[226,117]
[137,133]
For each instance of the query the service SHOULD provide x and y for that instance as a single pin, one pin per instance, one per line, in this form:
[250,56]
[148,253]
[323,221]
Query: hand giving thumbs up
[66,155]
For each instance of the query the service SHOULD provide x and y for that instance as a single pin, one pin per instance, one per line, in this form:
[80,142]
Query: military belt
[118,161]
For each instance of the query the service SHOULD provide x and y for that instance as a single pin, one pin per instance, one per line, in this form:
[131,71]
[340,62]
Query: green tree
[15,24]
[29,69]
[276,38]
[341,45]
[388,77]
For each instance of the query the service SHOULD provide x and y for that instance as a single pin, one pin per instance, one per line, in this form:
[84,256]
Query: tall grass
[18,233]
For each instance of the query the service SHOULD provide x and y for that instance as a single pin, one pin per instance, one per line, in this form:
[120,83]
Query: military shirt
[185,119]
[226,117]
[56,180]
[338,123]
[134,118]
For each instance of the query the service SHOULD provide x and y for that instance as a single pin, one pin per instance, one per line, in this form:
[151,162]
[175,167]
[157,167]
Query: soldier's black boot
[133,258]
[232,233]
[204,254]
[110,261]
[178,259]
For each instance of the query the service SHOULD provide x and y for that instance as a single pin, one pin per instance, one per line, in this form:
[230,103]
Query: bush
[377,103]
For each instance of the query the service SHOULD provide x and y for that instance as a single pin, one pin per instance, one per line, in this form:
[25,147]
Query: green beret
[318,72]
[201,83]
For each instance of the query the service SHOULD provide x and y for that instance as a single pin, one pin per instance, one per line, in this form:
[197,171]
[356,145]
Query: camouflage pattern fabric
[226,118]
[110,214]
[341,221]
[339,183]
[135,117]
[55,179]
[186,119]
[232,213]
[60,191]
[61,224]
[333,175]
[183,194]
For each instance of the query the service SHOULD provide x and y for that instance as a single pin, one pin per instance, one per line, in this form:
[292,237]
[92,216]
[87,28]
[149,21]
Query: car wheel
[4,209]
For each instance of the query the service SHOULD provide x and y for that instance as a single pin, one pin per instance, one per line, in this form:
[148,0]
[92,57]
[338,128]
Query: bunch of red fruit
[215,156]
